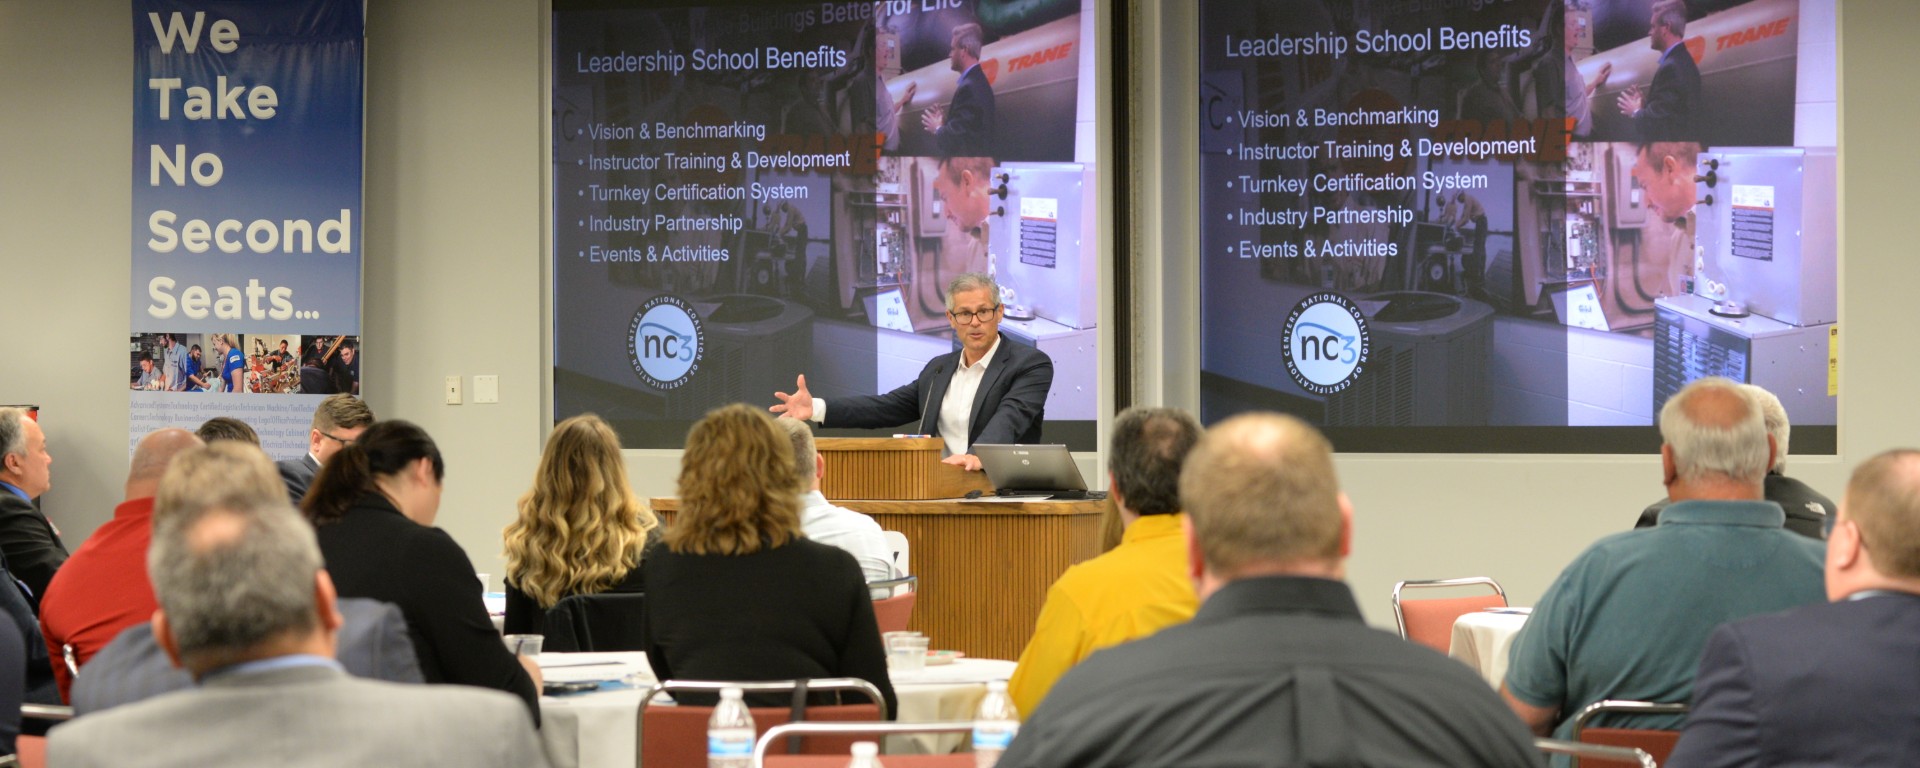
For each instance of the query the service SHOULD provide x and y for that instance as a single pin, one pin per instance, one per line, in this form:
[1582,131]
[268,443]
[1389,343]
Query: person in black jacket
[1669,110]
[580,530]
[737,592]
[374,504]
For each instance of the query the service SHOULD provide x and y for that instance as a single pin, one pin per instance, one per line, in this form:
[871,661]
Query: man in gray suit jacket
[248,609]
[373,644]
[337,421]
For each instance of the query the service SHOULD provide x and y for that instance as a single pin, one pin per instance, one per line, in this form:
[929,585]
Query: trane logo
[1751,34]
[1055,53]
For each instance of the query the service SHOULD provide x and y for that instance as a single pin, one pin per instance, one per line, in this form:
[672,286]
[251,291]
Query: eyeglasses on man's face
[968,316]
[343,441]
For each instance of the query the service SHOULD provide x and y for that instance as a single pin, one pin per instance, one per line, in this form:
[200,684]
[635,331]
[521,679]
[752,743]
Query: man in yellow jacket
[1140,587]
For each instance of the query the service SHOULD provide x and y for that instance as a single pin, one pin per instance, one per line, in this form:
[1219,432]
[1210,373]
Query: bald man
[103,588]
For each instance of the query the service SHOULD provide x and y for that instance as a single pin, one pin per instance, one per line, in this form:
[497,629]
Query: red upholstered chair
[763,749]
[677,735]
[1595,754]
[892,613]
[1657,743]
[1430,622]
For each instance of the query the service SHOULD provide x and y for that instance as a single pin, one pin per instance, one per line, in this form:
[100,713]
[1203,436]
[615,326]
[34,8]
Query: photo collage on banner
[747,192]
[247,149]
[1516,226]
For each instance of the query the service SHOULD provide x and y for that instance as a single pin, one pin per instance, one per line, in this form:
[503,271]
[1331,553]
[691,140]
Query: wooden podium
[893,468]
[984,565]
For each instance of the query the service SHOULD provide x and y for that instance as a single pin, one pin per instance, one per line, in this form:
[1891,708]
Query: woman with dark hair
[736,592]
[580,529]
[373,505]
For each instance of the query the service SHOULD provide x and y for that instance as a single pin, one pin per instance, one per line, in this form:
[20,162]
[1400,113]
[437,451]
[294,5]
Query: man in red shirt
[103,587]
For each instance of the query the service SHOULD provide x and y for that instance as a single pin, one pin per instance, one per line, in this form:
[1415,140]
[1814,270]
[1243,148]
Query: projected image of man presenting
[991,390]
[964,128]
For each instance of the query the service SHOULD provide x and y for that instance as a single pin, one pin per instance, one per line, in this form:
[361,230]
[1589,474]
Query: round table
[1482,639]
[600,729]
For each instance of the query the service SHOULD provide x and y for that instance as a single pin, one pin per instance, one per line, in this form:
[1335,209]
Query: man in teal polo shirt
[1628,618]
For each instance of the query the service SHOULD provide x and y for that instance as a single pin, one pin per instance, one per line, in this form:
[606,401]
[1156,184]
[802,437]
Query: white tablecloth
[1481,639]
[599,729]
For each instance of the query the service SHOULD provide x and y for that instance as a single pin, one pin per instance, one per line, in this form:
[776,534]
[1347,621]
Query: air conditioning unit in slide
[1431,354]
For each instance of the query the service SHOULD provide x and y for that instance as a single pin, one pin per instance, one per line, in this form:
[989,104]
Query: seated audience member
[736,592]
[1832,683]
[227,428]
[337,422]
[103,588]
[13,687]
[580,529]
[1627,619]
[29,542]
[1277,667]
[247,608]
[1140,587]
[373,644]
[1807,510]
[132,666]
[374,504]
[835,526]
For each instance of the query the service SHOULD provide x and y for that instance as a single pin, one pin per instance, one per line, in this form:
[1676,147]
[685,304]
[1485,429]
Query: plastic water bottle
[866,754]
[730,732]
[994,725]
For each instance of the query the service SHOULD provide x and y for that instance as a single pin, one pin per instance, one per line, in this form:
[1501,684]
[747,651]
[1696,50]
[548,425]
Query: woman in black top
[580,529]
[736,592]
[373,505]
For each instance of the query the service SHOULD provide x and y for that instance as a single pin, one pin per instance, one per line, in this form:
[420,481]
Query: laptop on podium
[1044,471]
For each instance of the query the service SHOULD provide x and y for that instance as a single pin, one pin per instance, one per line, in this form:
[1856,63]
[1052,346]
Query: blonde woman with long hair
[736,592]
[580,530]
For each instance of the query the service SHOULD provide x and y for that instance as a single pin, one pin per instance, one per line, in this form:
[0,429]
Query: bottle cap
[731,692]
[996,686]
[865,749]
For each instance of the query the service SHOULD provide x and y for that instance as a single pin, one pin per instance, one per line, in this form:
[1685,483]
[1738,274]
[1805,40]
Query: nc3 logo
[1327,343]
[665,341]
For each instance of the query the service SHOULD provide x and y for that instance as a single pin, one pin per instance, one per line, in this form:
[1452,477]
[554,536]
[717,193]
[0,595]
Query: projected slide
[744,193]
[1516,226]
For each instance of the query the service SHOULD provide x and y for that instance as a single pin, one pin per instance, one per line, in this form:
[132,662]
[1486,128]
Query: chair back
[768,741]
[606,621]
[1430,622]
[1595,754]
[1657,743]
[677,735]
[893,613]
[897,542]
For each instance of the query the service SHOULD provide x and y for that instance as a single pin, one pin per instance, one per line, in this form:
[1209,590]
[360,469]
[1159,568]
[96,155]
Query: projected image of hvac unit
[1428,366]
[1766,294]
[752,343]
[1037,224]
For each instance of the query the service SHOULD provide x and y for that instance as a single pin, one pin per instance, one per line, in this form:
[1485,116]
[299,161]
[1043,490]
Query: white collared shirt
[856,533]
[956,409]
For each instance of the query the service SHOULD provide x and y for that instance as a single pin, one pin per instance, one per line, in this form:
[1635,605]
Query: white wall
[453,243]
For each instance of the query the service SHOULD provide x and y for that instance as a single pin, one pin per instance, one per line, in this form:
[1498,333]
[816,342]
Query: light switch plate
[453,390]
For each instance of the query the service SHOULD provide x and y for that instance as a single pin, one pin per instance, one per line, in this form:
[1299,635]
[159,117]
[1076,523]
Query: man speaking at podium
[989,391]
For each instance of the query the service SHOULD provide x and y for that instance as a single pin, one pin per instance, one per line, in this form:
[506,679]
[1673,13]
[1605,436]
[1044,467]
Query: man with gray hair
[1277,667]
[28,540]
[1627,619]
[834,526]
[991,390]
[1807,510]
[247,607]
